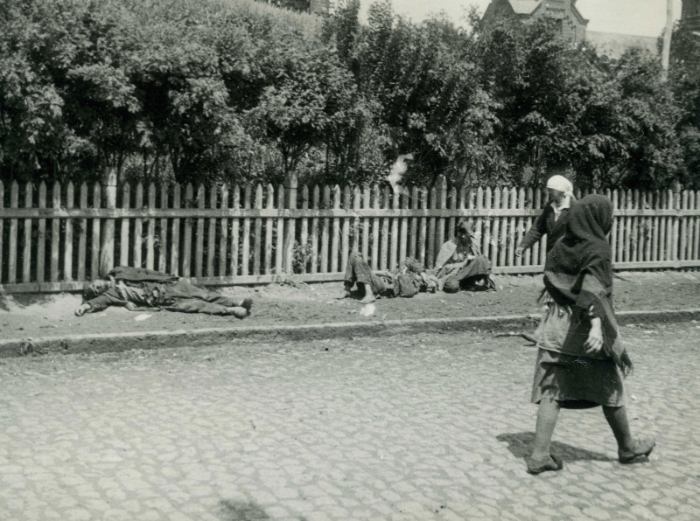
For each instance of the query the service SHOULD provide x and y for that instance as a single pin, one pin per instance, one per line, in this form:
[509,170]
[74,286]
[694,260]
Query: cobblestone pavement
[420,427]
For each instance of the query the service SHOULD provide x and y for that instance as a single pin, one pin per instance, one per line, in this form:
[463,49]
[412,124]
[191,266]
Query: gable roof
[524,6]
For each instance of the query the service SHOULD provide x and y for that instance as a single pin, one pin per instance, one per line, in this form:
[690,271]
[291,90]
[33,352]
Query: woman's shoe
[641,448]
[537,466]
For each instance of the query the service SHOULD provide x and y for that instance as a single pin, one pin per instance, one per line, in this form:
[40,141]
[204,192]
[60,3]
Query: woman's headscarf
[561,183]
[578,270]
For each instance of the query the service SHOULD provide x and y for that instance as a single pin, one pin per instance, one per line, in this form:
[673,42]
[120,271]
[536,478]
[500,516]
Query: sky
[640,17]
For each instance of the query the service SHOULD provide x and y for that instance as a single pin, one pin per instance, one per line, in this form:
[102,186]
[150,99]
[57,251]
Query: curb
[115,342]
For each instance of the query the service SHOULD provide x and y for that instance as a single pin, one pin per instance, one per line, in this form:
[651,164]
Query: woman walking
[581,361]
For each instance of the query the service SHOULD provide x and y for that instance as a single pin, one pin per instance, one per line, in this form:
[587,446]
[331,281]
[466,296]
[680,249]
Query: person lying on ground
[581,361]
[136,288]
[406,281]
[460,265]
[552,220]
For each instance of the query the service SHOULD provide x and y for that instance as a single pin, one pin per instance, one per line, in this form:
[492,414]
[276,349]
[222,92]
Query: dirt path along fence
[53,238]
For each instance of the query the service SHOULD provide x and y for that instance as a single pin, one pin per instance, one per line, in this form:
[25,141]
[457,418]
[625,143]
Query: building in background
[690,15]
[574,25]
[570,21]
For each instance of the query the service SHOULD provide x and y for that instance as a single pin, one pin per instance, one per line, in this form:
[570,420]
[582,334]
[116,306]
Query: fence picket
[175,235]
[279,245]
[696,225]
[345,234]
[40,239]
[163,232]
[403,225]
[366,224]
[325,231]
[198,252]
[384,255]
[413,236]
[291,224]
[12,247]
[394,226]
[269,228]
[96,232]
[68,236]
[235,230]
[55,232]
[82,232]
[682,227]
[315,253]
[245,246]
[124,227]
[224,224]
[376,203]
[423,230]
[655,254]
[675,243]
[452,204]
[670,228]
[433,202]
[138,227]
[304,232]
[187,227]
[257,236]
[27,249]
[497,255]
[356,233]
[335,239]
[211,229]
[535,250]
[151,234]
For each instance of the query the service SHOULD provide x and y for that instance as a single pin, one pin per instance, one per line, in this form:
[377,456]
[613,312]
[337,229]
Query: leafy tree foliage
[236,90]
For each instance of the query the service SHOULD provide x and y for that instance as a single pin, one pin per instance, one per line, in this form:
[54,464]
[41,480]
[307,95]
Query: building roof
[524,6]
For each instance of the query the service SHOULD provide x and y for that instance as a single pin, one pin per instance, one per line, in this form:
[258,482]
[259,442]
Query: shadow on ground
[520,445]
[243,511]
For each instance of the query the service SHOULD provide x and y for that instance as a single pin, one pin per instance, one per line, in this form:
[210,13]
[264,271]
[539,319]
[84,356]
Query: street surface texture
[32,317]
[423,427]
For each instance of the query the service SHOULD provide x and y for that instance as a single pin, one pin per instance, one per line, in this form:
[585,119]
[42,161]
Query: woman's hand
[594,342]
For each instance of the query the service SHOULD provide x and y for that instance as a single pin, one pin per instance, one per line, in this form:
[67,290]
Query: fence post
[107,249]
[676,221]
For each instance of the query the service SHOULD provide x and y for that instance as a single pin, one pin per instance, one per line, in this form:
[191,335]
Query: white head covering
[560,183]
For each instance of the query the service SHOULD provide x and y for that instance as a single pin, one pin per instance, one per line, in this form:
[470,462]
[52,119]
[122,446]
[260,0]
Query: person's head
[558,187]
[464,232]
[590,218]
[95,288]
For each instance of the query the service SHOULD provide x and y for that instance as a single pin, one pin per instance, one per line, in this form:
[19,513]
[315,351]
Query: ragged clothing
[405,281]
[458,265]
[140,287]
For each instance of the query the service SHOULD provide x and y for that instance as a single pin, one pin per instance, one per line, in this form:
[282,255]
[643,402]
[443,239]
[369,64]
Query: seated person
[406,281]
[139,287]
[459,264]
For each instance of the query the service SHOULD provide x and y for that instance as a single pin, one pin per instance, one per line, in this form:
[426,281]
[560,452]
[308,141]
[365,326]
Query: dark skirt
[576,381]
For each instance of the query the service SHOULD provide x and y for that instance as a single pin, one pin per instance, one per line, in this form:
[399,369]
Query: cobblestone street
[419,427]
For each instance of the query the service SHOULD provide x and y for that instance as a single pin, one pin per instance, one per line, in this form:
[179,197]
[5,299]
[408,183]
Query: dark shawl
[578,271]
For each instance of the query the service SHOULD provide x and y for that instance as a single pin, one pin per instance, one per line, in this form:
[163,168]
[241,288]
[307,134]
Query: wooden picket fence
[55,238]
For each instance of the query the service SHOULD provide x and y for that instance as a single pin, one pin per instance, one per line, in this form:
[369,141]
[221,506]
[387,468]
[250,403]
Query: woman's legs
[547,415]
[629,450]
[617,419]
